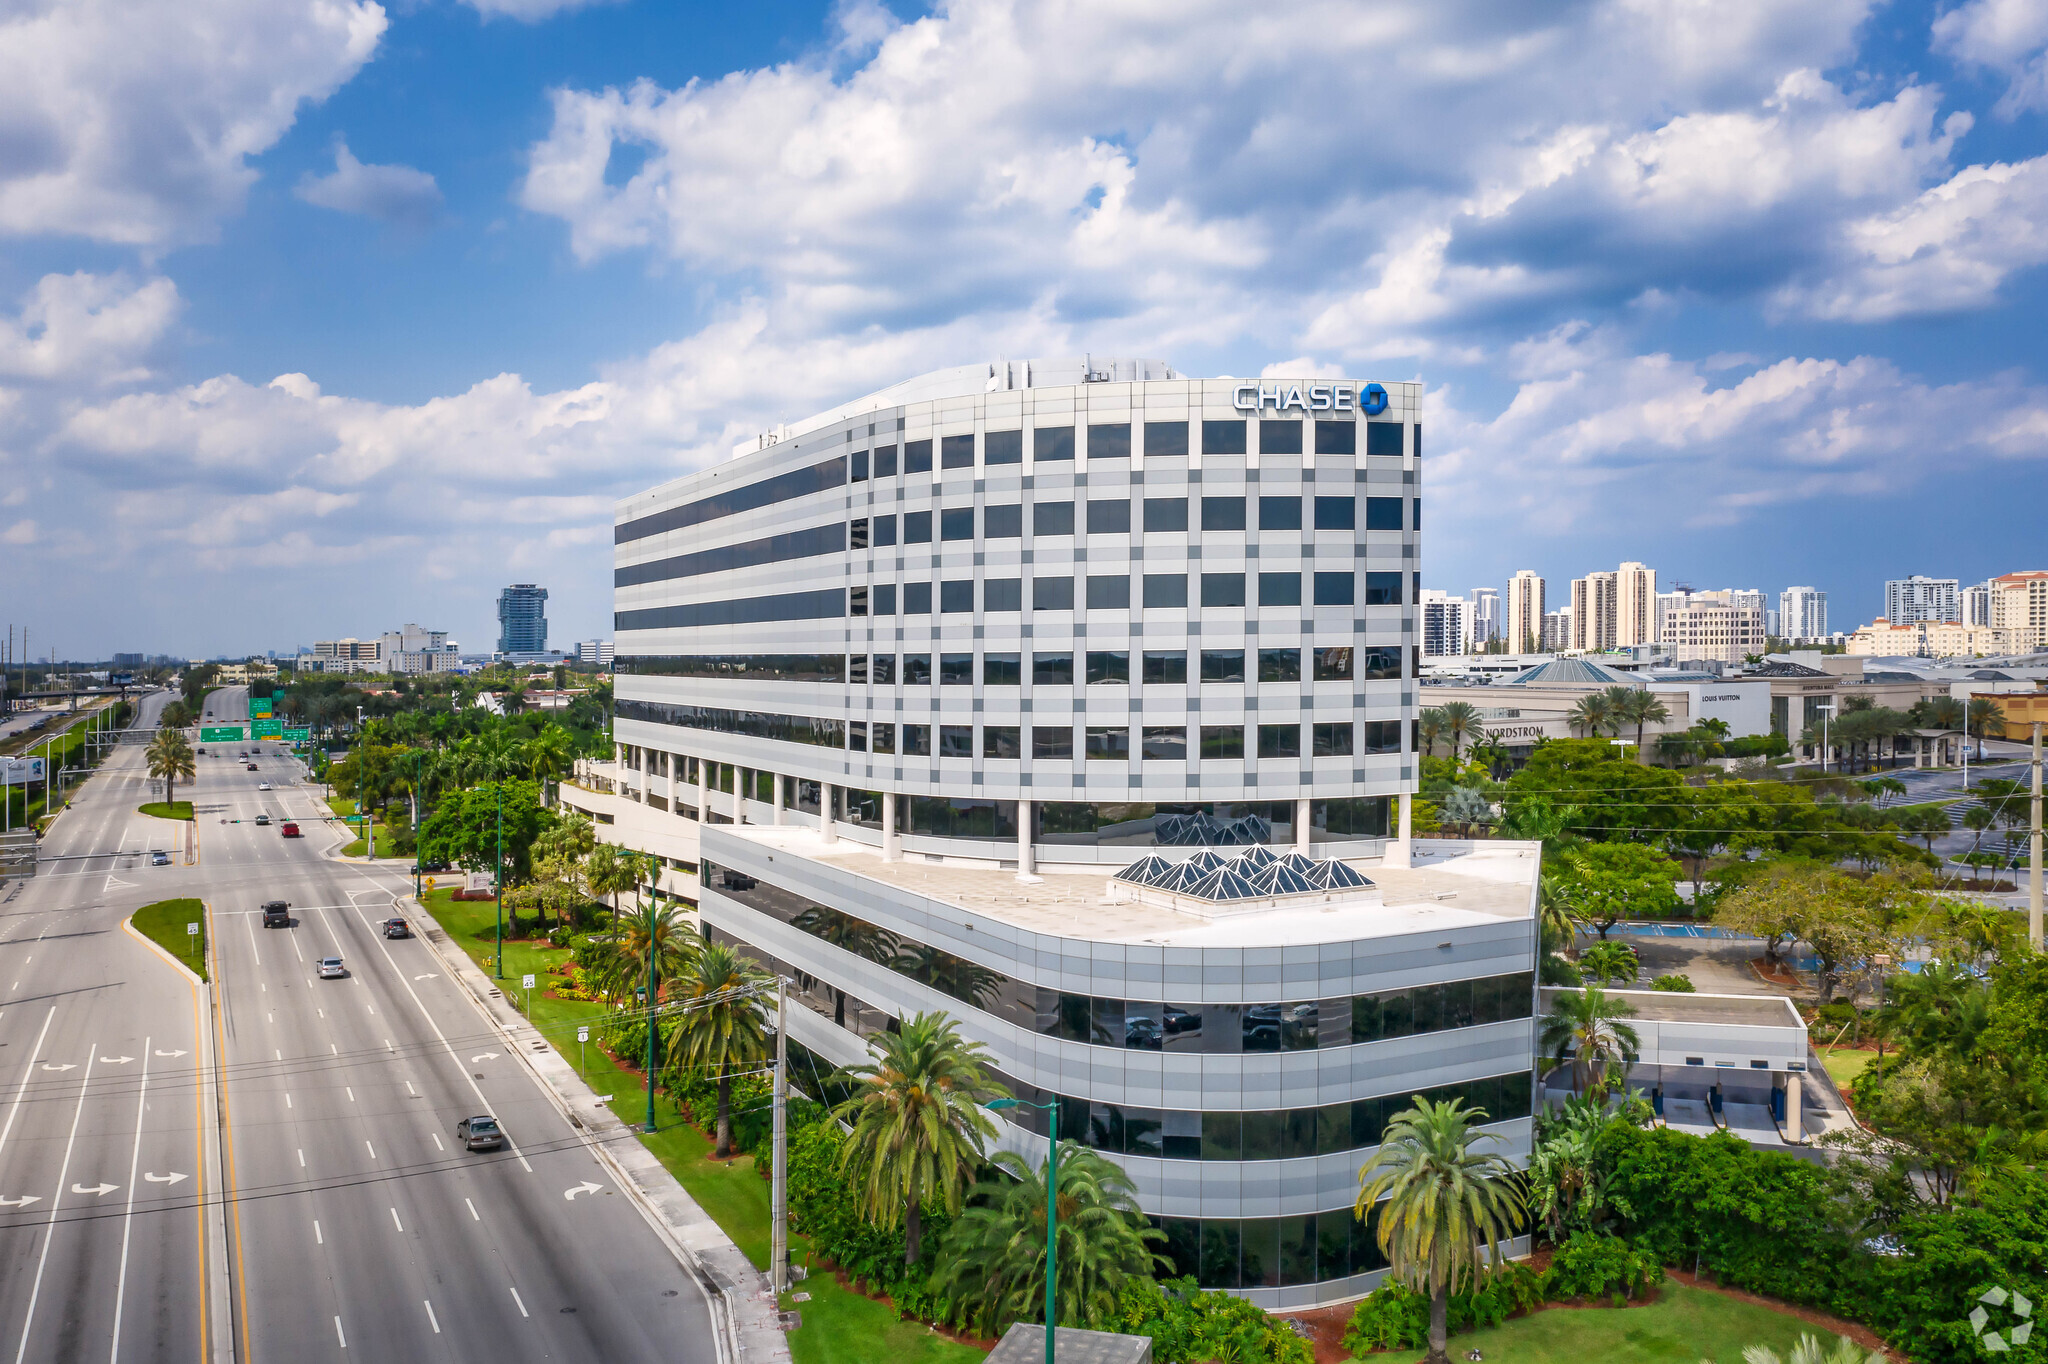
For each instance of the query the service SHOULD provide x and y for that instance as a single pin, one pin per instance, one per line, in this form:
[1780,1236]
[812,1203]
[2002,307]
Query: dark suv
[396,928]
[480,1134]
[277,914]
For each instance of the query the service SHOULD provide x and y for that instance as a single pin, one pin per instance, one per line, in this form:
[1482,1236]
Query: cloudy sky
[318,316]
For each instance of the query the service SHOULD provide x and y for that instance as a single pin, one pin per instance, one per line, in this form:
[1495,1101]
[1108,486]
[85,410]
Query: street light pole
[1052,1185]
[778,1185]
[498,884]
[651,1023]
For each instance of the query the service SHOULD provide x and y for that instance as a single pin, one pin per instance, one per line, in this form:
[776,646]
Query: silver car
[331,968]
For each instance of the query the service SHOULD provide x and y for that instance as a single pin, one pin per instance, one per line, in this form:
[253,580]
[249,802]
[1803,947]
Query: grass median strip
[162,809]
[164,923]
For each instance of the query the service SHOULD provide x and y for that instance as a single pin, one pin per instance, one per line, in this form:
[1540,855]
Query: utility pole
[2034,848]
[778,1193]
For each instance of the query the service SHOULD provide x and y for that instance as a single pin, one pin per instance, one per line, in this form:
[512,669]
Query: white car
[262,786]
[331,968]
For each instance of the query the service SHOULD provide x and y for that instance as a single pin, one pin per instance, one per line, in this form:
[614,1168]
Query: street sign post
[527,984]
[582,1036]
[192,937]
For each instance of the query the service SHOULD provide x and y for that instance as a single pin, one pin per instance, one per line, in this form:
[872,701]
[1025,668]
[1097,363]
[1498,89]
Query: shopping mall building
[1075,698]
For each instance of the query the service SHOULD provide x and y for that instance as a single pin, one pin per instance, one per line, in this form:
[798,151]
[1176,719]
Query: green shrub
[1676,983]
[1394,1316]
[1186,1322]
[1597,1265]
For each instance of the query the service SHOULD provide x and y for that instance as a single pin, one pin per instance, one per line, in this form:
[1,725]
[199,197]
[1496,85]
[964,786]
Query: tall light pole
[1825,713]
[1052,1204]
[498,883]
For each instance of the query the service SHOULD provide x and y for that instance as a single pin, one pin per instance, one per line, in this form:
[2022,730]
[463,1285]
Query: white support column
[775,778]
[828,796]
[1401,849]
[892,841]
[703,793]
[1027,851]
[1794,1128]
[1301,826]
[740,776]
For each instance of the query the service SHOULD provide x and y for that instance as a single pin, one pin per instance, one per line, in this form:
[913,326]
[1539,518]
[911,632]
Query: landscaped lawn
[157,809]
[840,1326]
[1845,1065]
[163,923]
[1684,1325]
[346,810]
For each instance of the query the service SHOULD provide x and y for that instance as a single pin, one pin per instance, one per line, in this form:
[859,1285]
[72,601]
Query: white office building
[1446,624]
[1486,617]
[1908,601]
[1087,689]
[1802,614]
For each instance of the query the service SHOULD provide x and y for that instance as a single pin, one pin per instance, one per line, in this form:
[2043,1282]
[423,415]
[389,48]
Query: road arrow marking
[586,1186]
[487,1056]
[21,1202]
[115,1060]
[172,1178]
[65,1066]
[98,1190]
[431,975]
[161,1052]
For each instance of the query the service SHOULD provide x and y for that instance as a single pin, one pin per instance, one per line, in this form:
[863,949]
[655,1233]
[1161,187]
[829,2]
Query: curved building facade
[919,677]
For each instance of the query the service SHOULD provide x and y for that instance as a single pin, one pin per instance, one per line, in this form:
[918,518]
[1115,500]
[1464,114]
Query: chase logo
[1372,400]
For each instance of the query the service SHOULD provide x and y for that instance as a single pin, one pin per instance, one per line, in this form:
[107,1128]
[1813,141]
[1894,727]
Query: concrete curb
[748,1316]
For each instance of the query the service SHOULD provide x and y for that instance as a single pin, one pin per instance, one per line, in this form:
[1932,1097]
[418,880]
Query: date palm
[1586,1027]
[917,1129]
[1460,722]
[1448,1209]
[1429,727]
[652,944]
[170,760]
[722,1030]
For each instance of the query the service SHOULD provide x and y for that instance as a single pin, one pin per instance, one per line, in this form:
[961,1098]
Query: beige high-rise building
[1593,612]
[2019,606]
[1635,605]
[1525,608]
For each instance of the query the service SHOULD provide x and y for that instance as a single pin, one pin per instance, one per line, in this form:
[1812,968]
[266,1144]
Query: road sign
[269,729]
[583,1034]
[191,928]
[298,736]
[261,707]
[221,734]
[527,984]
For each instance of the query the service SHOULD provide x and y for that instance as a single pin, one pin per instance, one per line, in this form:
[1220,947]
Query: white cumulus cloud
[398,195]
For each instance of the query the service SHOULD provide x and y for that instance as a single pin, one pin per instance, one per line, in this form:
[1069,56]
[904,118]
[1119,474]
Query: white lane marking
[321,1012]
[276,1053]
[269,1017]
[302,1157]
[350,1090]
[437,1141]
[250,924]
[63,1172]
[472,1210]
[373,1150]
[388,1047]
[100,1190]
[124,1060]
[371,1007]
[333,1048]
[27,1071]
[287,1101]
[318,1239]
[522,1306]
[569,1195]
[179,1052]
[486,1056]
[172,1178]
[128,1217]
[67,1065]
[395,1222]
[431,975]
[339,1334]
[265,987]
[432,1320]
[295,948]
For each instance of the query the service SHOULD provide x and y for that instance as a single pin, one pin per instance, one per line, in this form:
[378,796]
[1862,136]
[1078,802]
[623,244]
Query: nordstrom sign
[1287,396]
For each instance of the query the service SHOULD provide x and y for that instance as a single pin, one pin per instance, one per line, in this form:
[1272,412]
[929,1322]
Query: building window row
[1046,668]
[821,604]
[1327,739]
[1112,592]
[1105,824]
[1113,516]
[1145,1025]
[1123,440]
[795,729]
[740,667]
[785,487]
[772,549]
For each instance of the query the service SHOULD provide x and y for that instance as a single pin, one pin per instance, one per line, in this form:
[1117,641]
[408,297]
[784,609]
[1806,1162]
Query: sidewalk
[750,1326]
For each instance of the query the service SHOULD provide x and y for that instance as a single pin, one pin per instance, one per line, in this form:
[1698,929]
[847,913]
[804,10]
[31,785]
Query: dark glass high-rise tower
[523,619]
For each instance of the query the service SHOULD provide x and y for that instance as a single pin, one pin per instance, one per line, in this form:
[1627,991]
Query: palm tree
[176,715]
[994,1257]
[1460,722]
[723,1028]
[1640,706]
[608,871]
[170,758]
[1977,820]
[1559,918]
[1592,714]
[1429,727]
[1448,1209]
[1610,962]
[1585,1027]
[652,943]
[1980,715]
[918,1131]
[1810,1350]
[1466,806]
[547,753]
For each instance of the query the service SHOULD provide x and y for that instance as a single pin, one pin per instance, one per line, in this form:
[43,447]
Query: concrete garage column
[740,777]
[1301,826]
[828,797]
[892,841]
[1795,1129]
[776,779]
[1027,851]
[703,792]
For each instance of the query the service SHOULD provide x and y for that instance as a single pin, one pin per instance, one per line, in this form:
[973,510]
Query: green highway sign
[298,736]
[260,707]
[220,734]
[269,729]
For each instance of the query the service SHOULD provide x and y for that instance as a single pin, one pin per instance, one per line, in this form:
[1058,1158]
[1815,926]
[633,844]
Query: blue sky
[317,316]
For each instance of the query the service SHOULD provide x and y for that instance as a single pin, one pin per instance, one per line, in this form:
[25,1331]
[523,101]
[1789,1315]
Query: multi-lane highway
[345,1218]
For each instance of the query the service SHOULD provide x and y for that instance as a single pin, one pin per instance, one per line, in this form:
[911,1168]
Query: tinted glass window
[956,597]
[956,741]
[1382,736]
[885,670]
[1109,517]
[885,738]
[1336,438]
[1108,592]
[1222,513]
[1279,741]
[1166,513]
[1333,740]
[1281,436]
[1052,442]
[857,534]
[1222,741]
[1110,745]
[1002,670]
[1223,438]
[956,452]
[1002,447]
[1166,742]
[1048,741]
[1223,589]
[1005,522]
[1279,513]
[885,599]
[956,523]
[885,461]
[1380,665]
[917,599]
[1381,589]
[1337,513]
[917,457]
[956,670]
[885,531]
[1333,664]
[1108,666]
[917,741]
[1109,440]
[859,460]
[1052,518]
[1166,590]
[1383,513]
[1337,589]
[1279,589]
[1000,741]
[1166,666]
[1052,594]
[857,602]
[917,528]
[1383,438]
[1279,665]
[1052,670]
[1166,438]
[917,670]
[1003,594]
[1223,665]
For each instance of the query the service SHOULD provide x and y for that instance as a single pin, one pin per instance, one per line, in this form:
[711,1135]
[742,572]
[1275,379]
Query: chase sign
[1289,396]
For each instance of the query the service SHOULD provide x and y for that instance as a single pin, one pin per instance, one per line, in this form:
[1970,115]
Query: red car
[290,830]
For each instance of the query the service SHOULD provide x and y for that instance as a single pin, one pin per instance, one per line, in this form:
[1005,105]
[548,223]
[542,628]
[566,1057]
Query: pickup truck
[277,914]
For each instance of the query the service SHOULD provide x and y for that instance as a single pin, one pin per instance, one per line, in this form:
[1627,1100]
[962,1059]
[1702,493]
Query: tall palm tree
[547,753]
[1558,918]
[176,715]
[608,871]
[1586,1027]
[1592,713]
[1460,722]
[723,1027]
[653,942]
[917,1126]
[1640,706]
[170,758]
[1448,1209]
[994,1257]
[1981,714]
[1429,727]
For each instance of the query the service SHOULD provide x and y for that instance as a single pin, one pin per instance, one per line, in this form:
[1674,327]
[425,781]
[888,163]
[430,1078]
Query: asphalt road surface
[355,1225]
